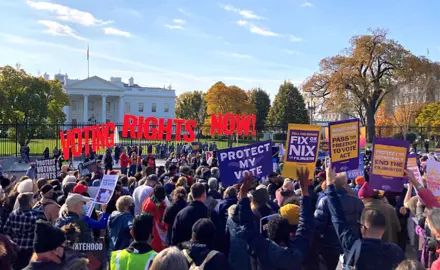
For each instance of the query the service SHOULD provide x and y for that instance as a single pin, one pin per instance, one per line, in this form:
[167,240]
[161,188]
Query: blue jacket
[239,253]
[352,207]
[270,255]
[119,226]
[374,253]
[85,223]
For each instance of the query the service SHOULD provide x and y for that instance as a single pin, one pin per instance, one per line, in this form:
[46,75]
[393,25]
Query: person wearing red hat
[80,189]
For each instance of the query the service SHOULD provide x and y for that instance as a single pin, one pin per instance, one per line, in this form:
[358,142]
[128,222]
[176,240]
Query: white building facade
[95,100]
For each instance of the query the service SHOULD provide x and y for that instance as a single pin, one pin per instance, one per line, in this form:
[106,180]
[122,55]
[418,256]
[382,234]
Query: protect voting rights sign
[388,164]
[344,145]
[302,149]
[46,168]
[235,162]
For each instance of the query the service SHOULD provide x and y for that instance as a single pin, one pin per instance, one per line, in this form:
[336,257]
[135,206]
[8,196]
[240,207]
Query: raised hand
[303,178]
[247,183]
[331,175]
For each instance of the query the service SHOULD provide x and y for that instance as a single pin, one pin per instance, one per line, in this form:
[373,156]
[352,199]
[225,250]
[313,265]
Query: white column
[66,112]
[121,109]
[104,110]
[86,108]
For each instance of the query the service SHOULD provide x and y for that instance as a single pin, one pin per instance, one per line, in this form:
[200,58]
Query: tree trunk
[370,125]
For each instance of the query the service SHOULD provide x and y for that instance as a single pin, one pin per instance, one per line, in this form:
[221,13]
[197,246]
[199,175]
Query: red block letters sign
[151,128]
[229,123]
[101,137]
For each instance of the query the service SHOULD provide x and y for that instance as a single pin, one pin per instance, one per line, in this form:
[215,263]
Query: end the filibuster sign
[235,162]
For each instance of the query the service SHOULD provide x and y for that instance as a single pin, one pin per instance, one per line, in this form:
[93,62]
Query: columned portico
[104,109]
[86,108]
[121,109]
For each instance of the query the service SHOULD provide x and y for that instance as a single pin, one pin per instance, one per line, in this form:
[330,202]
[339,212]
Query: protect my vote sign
[302,149]
[389,160]
[234,163]
[344,145]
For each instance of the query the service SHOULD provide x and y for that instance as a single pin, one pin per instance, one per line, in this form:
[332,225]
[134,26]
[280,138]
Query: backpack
[193,266]
[345,261]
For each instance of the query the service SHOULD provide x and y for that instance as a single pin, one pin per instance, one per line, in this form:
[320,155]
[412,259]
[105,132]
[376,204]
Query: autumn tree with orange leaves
[367,72]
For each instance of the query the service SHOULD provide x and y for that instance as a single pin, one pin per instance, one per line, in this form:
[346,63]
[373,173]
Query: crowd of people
[180,216]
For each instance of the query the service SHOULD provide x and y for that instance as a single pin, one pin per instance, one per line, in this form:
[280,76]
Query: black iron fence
[41,135]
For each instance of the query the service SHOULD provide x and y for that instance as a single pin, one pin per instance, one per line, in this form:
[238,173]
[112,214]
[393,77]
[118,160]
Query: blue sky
[191,44]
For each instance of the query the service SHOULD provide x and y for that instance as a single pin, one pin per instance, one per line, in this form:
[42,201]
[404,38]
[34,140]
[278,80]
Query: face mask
[85,208]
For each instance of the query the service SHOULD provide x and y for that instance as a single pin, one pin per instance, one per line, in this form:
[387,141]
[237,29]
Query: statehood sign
[344,145]
[235,162]
[388,164]
[46,168]
[302,149]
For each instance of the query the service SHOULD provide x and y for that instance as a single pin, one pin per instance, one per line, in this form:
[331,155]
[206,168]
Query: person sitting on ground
[48,244]
[139,255]
[199,251]
[374,253]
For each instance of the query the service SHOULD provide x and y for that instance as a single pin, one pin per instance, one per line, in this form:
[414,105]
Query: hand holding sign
[331,175]
[412,179]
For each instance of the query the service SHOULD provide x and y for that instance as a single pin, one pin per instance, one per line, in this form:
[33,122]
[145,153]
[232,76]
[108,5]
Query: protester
[32,171]
[141,193]
[119,224]
[47,205]
[124,161]
[73,259]
[74,211]
[155,206]
[285,192]
[188,216]
[139,255]
[20,227]
[8,252]
[169,216]
[48,244]
[67,188]
[374,254]
[169,259]
[199,251]
[352,207]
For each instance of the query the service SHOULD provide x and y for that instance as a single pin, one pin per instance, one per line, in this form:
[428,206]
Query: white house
[97,100]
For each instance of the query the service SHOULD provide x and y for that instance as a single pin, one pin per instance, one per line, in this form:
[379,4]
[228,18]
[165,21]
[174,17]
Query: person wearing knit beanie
[203,231]
[49,243]
[26,186]
[366,192]
[69,179]
[291,212]
[359,181]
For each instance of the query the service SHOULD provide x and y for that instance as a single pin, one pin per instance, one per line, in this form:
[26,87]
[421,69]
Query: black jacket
[170,216]
[185,219]
[198,252]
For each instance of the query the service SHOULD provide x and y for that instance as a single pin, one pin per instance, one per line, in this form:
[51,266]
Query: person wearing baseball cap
[75,211]
[49,244]
[47,205]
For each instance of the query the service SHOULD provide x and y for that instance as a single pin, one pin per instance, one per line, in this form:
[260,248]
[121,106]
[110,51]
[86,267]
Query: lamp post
[310,103]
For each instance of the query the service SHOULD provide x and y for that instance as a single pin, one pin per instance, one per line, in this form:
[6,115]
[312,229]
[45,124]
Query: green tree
[191,105]
[261,100]
[30,100]
[429,116]
[288,107]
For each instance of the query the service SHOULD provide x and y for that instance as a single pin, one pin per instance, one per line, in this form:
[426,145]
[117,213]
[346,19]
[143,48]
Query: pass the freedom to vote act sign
[234,163]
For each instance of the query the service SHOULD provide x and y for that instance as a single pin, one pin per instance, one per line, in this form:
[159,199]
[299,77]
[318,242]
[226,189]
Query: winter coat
[119,226]
[51,209]
[352,207]
[170,216]
[84,223]
[123,160]
[374,254]
[239,253]
[392,221]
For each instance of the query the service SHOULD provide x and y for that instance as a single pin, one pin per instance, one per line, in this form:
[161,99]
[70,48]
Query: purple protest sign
[235,162]
[388,161]
[302,146]
[344,145]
